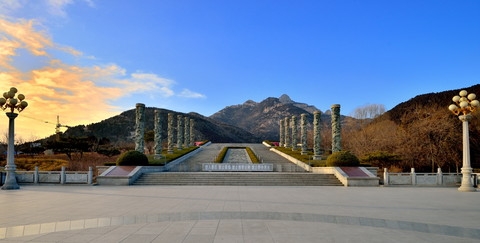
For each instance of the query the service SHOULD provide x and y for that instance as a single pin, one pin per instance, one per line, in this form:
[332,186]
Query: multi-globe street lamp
[11,103]
[464,104]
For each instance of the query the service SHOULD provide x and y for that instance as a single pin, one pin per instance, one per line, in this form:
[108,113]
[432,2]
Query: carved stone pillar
[192,132]
[179,132]
[170,133]
[336,129]
[303,133]
[317,138]
[282,135]
[187,133]
[287,133]
[139,127]
[294,133]
[157,135]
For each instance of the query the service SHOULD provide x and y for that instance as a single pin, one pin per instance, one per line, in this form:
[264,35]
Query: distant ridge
[121,128]
[263,118]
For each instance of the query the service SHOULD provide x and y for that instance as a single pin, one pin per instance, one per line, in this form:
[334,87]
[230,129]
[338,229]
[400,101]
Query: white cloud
[9,6]
[57,7]
[190,94]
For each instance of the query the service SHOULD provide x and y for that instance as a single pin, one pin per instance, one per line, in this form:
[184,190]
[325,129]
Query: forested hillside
[420,133]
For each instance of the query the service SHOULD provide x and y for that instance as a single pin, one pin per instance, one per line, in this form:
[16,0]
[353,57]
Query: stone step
[238,178]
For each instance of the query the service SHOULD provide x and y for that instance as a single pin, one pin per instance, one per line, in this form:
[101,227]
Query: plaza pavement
[238,214]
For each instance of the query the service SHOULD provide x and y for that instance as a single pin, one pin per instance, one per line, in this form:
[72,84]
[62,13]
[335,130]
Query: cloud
[38,8]
[186,93]
[141,82]
[79,94]
[21,35]
[57,7]
[9,6]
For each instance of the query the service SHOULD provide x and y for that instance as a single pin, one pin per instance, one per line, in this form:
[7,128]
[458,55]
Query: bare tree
[369,111]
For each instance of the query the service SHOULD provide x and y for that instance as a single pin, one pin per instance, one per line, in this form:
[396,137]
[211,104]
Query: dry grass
[55,162]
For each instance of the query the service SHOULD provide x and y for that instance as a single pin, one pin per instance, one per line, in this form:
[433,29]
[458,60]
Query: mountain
[263,118]
[121,128]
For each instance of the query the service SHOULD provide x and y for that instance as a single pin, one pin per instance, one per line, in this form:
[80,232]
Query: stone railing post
[90,175]
[414,176]
[35,175]
[62,175]
[439,176]
[385,177]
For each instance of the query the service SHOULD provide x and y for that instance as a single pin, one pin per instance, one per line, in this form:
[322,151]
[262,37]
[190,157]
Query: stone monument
[336,129]
[139,127]
[179,132]
[192,133]
[186,141]
[282,135]
[294,133]
[157,135]
[317,138]
[170,133]
[303,133]
[287,133]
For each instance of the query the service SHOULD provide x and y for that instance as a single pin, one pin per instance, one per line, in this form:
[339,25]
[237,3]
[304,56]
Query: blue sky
[87,60]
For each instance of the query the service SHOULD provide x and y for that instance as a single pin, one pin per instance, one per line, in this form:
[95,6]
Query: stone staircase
[238,179]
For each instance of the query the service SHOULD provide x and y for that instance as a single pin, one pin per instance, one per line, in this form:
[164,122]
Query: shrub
[252,155]
[342,158]
[221,155]
[132,157]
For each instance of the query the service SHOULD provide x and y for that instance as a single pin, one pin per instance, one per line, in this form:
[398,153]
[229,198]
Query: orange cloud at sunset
[79,94]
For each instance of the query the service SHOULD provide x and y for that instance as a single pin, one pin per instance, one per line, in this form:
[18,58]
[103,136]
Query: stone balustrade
[55,177]
[423,179]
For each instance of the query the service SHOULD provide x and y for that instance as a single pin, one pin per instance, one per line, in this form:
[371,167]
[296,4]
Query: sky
[88,60]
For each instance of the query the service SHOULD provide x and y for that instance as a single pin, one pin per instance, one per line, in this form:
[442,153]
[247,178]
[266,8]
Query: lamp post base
[467,185]
[467,189]
[10,180]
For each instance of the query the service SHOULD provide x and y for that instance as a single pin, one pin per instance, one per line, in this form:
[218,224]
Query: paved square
[238,214]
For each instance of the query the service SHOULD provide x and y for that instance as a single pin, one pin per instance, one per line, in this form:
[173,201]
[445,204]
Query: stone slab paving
[237,156]
[238,214]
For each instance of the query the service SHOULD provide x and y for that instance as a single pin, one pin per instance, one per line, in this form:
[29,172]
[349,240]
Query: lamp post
[464,104]
[10,103]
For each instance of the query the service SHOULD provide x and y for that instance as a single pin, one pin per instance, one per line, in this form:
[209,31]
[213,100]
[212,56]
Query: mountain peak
[250,102]
[285,99]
